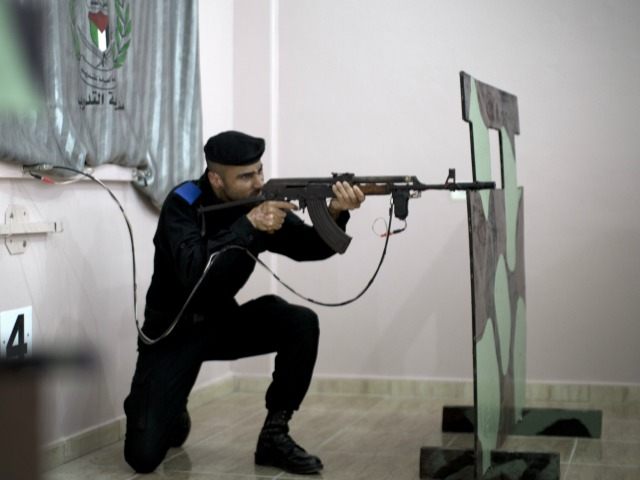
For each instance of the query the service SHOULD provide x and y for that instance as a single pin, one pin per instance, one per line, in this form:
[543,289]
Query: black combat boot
[180,429]
[278,449]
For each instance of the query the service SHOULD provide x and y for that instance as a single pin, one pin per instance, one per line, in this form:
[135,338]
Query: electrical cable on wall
[36,171]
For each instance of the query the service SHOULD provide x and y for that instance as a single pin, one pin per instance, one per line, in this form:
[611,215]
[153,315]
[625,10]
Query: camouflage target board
[497,265]
[496,246]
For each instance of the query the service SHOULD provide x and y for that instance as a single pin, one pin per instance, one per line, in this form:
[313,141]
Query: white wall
[216,77]
[79,283]
[372,87]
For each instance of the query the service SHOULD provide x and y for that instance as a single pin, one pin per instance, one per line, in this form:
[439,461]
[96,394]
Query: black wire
[330,304]
[210,262]
[46,167]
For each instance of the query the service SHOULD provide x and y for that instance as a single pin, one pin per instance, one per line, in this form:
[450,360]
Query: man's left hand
[347,197]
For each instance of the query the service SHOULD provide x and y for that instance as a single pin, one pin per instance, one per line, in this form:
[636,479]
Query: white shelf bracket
[17,229]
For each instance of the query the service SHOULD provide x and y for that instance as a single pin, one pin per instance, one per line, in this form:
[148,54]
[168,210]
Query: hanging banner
[114,81]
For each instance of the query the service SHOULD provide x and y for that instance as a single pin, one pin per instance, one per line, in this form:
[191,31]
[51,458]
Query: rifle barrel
[376,188]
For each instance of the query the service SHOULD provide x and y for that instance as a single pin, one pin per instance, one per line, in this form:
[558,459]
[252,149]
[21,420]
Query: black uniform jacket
[185,240]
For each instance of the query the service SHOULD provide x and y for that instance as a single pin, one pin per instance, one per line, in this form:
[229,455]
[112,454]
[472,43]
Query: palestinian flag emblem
[101,32]
[99,29]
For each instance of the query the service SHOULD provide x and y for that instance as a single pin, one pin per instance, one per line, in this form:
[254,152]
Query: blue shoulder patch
[189,191]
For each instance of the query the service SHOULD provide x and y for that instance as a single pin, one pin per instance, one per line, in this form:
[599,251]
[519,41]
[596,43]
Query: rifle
[312,193]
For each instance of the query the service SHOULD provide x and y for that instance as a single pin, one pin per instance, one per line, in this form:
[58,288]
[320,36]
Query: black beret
[234,148]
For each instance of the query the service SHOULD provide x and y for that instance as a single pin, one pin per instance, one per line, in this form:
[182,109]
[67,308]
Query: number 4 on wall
[15,333]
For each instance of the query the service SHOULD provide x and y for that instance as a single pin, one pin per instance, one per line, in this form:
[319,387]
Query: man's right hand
[269,216]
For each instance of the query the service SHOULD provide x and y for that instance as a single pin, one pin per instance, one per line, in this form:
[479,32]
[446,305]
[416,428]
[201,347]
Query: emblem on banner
[101,41]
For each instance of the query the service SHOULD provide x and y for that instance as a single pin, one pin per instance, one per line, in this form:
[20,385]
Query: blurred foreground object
[19,411]
[20,78]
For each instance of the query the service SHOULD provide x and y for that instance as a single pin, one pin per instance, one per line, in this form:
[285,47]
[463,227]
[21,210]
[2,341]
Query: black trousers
[165,372]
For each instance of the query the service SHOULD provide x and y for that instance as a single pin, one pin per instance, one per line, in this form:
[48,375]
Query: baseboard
[595,395]
[459,391]
[79,444]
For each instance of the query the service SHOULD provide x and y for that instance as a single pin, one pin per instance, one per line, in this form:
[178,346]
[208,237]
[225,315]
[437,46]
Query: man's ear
[215,179]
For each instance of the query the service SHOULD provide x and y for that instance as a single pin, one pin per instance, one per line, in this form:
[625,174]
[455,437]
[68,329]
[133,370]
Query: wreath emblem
[100,41]
[123,33]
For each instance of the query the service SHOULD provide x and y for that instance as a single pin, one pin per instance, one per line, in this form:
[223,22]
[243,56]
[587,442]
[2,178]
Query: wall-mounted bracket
[17,229]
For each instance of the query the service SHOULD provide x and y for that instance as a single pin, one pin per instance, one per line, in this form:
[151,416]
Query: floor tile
[375,466]
[372,437]
[200,476]
[622,430]
[607,452]
[601,472]
[104,464]
[228,451]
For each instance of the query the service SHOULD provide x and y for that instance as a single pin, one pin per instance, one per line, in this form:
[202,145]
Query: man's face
[236,183]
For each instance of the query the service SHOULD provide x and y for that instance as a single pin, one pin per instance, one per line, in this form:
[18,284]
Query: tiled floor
[358,437]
